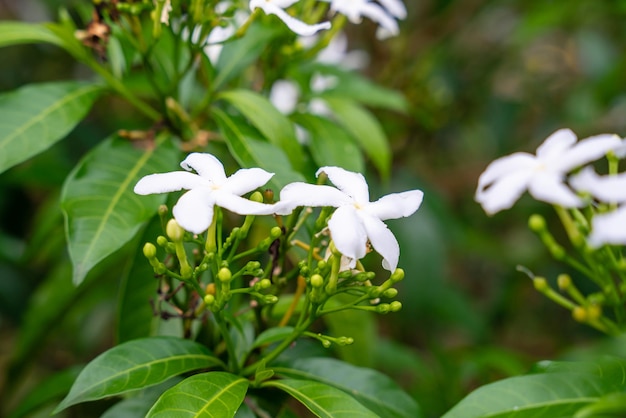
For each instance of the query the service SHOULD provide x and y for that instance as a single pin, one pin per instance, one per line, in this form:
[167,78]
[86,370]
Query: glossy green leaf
[275,126]
[101,210]
[562,390]
[36,116]
[16,33]
[372,389]
[251,152]
[138,403]
[205,395]
[330,144]
[365,129]
[137,364]
[323,400]
[272,335]
[611,405]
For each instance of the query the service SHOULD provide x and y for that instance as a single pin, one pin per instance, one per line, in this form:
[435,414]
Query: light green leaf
[365,129]
[36,116]
[330,144]
[137,364]
[372,389]
[101,210]
[275,126]
[16,33]
[272,335]
[205,395]
[323,400]
[561,391]
[138,403]
[255,153]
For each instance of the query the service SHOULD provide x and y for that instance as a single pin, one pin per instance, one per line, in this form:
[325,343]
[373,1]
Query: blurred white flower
[284,95]
[336,53]
[505,179]
[220,34]
[608,189]
[385,13]
[608,228]
[276,7]
[356,220]
[209,187]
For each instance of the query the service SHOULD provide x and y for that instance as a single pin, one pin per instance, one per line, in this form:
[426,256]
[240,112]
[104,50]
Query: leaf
[272,335]
[365,129]
[140,402]
[36,116]
[101,210]
[330,144]
[209,395]
[275,126]
[255,153]
[562,390]
[137,364]
[16,33]
[369,387]
[323,400]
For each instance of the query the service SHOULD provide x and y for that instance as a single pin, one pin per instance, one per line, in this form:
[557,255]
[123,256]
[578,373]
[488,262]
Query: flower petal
[519,161]
[380,16]
[504,192]
[587,150]
[550,188]
[206,165]
[395,8]
[168,182]
[314,195]
[608,189]
[396,205]
[284,96]
[295,25]
[246,180]
[608,228]
[556,144]
[194,210]
[348,233]
[351,183]
[240,205]
[383,241]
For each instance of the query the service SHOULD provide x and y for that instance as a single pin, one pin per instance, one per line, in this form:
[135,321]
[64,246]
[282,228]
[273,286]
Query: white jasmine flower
[505,179]
[336,53]
[209,187]
[284,95]
[220,34]
[608,189]
[276,7]
[608,228]
[356,220]
[385,13]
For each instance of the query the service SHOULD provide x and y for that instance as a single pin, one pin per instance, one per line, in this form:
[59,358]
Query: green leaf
[209,395]
[36,116]
[611,405]
[330,144]
[365,129]
[272,335]
[101,210]
[275,126]
[372,389]
[255,153]
[16,33]
[323,400]
[561,391]
[139,403]
[137,364]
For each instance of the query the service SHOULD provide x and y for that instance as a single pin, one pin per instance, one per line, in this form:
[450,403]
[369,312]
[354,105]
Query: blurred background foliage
[484,78]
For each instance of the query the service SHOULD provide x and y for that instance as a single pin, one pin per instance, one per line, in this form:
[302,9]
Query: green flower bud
[162,241]
[579,314]
[265,284]
[383,308]
[224,275]
[390,293]
[395,306]
[537,223]
[163,210]
[209,299]
[149,250]
[270,299]
[397,275]
[174,231]
[317,281]
[345,340]
[253,265]
[321,264]
[326,343]
[275,232]
[540,284]
[564,281]
[257,197]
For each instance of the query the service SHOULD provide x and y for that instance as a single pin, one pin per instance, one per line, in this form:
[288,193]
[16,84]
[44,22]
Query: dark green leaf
[272,335]
[205,395]
[140,402]
[135,365]
[101,210]
[323,400]
[275,126]
[372,389]
[36,116]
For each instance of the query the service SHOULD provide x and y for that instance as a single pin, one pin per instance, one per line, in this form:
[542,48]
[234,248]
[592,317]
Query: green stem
[230,346]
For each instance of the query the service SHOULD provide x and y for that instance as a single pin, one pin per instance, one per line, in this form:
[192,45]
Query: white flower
[276,7]
[608,189]
[194,209]
[385,13]
[506,178]
[336,53]
[608,228]
[284,95]
[356,220]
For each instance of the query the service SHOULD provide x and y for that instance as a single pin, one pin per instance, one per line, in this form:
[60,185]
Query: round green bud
[537,223]
[594,312]
[390,293]
[395,306]
[209,299]
[163,210]
[345,340]
[564,281]
[257,197]
[174,231]
[321,264]
[326,343]
[397,275]
[224,275]
[317,281]
[149,250]
[275,232]
[162,241]
[265,284]
[557,251]
[383,308]
[203,267]
[540,283]
[579,314]
[253,265]
[270,299]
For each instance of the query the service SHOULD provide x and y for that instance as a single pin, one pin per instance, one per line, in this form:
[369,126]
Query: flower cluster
[355,222]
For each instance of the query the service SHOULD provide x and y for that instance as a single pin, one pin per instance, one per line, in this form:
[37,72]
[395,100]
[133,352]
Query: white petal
[351,183]
[246,180]
[396,205]
[194,210]
[517,162]
[504,192]
[608,189]
[383,241]
[587,150]
[241,205]
[313,195]
[284,96]
[206,165]
[380,16]
[556,144]
[296,26]
[395,7]
[550,188]
[169,182]
[348,232]
[608,228]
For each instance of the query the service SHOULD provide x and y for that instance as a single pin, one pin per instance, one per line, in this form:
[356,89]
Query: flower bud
[174,230]
[564,281]
[209,299]
[275,232]
[390,293]
[149,250]
[397,275]
[269,195]
[326,343]
[162,241]
[265,284]
[256,197]
[383,308]
[270,299]
[395,306]
[210,289]
[224,275]
[163,210]
[537,223]
[579,314]
[344,340]
[317,281]
[540,283]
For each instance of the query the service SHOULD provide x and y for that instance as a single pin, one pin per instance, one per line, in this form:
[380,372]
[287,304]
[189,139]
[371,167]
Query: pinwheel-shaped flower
[543,175]
[276,7]
[356,220]
[210,187]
